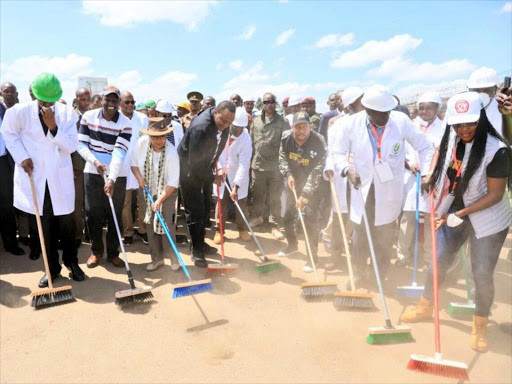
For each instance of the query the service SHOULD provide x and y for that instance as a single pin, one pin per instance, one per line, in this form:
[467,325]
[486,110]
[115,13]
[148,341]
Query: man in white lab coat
[41,136]
[376,137]
[235,161]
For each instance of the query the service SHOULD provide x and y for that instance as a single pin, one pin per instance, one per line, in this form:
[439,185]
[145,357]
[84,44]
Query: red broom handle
[435,280]
[219,208]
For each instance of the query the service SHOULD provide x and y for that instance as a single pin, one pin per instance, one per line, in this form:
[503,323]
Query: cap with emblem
[482,78]
[379,99]
[164,106]
[111,90]
[463,108]
[308,100]
[301,118]
[157,127]
[195,96]
[46,87]
[430,97]
[141,107]
[350,95]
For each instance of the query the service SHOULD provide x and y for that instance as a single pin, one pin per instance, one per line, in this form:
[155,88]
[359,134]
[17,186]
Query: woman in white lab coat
[376,138]
[41,135]
[235,161]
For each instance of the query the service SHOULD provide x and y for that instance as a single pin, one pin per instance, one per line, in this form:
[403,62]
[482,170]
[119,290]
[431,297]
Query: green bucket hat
[141,107]
[150,103]
[46,87]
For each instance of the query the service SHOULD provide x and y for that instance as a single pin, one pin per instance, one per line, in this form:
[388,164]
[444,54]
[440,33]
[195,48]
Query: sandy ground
[252,328]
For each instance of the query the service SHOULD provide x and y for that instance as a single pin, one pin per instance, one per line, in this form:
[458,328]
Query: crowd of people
[277,161]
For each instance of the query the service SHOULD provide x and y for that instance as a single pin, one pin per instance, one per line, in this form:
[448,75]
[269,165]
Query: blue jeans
[484,256]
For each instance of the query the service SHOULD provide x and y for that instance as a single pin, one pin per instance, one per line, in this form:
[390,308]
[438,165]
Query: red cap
[285,100]
[307,100]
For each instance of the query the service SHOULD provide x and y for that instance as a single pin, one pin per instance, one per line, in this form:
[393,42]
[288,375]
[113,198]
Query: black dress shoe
[43,283]
[34,255]
[209,250]
[15,250]
[199,262]
[76,272]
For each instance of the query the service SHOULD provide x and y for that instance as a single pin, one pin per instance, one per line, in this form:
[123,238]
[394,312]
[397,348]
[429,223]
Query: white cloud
[284,36]
[236,65]
[247,34]
[128,13]
[373,51]
[335,40]
[507,7]
[219,66]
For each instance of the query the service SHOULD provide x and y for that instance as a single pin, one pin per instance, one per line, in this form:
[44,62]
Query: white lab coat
[353,138]
[434,134]
[238,155]
[139,121]
[494,116]
[51,156]
[340,183]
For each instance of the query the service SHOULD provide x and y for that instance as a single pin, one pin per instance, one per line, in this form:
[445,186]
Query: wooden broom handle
[40,231]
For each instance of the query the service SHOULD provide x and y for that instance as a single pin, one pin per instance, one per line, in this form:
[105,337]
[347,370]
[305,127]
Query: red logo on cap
[461,106]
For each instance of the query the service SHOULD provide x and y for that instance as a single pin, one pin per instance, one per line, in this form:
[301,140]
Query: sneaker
[308,268]
[245,236]
[277,234]
[128,241]
[217,238]
[143,237]
[256,221]
[289,250]
[154,265]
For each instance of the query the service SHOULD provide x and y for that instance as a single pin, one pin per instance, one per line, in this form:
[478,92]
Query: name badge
[384,172]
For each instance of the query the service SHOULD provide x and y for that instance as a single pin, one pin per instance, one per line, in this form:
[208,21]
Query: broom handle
[219,209]
[40,231]
[169,237]
[374,262]
[306,237]
[118,230]
[345,242]
[248,226]
[416,228]
[466,274]
[435,281]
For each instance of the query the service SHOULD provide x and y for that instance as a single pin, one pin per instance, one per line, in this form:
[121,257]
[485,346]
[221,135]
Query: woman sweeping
[156,164]
[470,179]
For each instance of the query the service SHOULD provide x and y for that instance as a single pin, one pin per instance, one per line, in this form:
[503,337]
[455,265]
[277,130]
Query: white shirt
[494,116]
[139,121]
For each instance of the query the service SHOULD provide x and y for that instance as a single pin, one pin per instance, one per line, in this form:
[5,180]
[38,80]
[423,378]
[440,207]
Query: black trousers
[97,210]
[207,193]
[7,213]
[56,228]
[194,193]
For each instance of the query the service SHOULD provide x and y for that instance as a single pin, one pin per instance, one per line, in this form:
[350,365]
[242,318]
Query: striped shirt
[105,141]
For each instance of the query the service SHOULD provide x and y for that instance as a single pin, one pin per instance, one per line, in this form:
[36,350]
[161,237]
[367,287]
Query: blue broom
[414,290]
[184,289]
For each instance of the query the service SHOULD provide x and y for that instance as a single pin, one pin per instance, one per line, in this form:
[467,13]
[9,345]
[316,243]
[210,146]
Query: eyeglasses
[266,102]
[129,101]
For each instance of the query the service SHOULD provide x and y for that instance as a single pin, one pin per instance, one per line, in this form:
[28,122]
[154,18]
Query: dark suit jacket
[198,148]
[324,121]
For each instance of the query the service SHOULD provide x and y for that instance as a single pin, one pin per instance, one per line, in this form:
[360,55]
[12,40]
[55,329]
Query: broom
[48,296]
[463,309]
[183,289]
[352,299]
[436,365]
[266,264]
[414,290]
[314,291]
[134,294]
[389,333]
[221,267]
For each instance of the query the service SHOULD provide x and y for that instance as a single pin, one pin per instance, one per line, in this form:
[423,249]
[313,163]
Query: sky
[164,49]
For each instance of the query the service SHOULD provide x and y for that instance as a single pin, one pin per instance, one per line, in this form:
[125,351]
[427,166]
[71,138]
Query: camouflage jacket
[266,138]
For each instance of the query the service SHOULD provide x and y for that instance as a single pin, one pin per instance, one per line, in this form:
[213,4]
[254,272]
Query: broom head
[355,301]
[458,309]
[268,266]
[191,288]
[384,335]
[220,268]
[410,291]
[319,291]
[439,367]
[136,295]
[51,296]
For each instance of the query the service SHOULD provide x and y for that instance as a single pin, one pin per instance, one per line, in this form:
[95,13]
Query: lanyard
[378,138]
[459,169]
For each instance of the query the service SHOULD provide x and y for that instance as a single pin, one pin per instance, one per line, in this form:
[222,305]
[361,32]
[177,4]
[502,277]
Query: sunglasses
[266,102]
[129,101]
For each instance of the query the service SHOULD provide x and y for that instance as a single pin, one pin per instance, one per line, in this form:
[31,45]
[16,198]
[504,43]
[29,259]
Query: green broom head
[192,288]
[51,296]
[439,367]
[220,268]
[319,291]
[353,301]
[458,309]
[268,266]
[386,335]
[136,295]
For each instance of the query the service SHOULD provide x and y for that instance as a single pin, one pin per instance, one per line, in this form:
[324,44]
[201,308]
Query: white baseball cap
[164,106]
[379,98]
[250,98]
[241,118]
[463,108]
[294,100]
[350,95]
[483,78]
[430,97]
